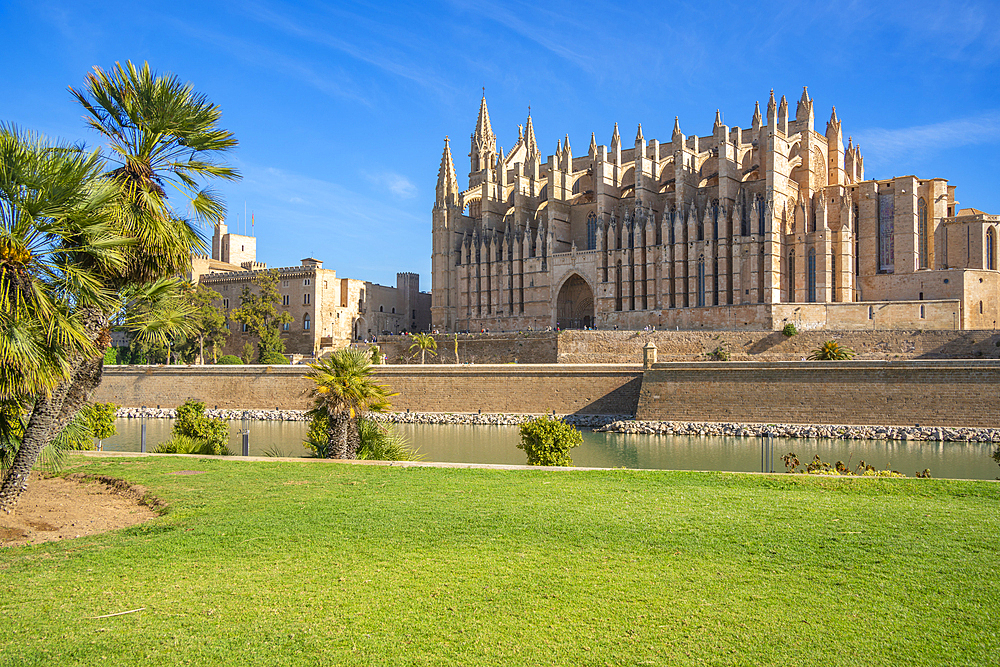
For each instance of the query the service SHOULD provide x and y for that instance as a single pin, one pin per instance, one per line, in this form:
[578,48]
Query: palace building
[746,228]
[327,312]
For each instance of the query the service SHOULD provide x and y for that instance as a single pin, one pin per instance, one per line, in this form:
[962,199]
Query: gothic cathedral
[742,229]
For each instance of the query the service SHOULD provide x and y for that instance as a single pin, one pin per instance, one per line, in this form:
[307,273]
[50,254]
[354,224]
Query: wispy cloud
[333,83]
[382,56]
[399,185]
[909,142]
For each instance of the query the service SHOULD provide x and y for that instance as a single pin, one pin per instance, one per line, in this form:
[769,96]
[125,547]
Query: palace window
[246,327]
[991,249]
[225,303]
[306,298]
[922,234]
[285,326]
[307,282]
[305,322]
[285,300]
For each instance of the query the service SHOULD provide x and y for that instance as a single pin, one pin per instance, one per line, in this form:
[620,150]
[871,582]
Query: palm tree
[56,241]
[425,343]
[160,134]
[831,351]
[344,390]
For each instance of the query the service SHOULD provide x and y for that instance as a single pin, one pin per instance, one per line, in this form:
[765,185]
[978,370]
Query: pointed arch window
[812,214]
[701,231]
[791,276]
[673,216]
[761,212]
[305,322]
[922,243]
[812,276]
[715,220]
[744,216]
[701,282]
[591,231]
[991,249]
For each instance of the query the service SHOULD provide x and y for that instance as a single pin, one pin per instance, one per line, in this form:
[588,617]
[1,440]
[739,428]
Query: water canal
[498,444]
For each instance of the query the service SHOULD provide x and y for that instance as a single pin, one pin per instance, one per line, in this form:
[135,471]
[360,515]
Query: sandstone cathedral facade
[742,229]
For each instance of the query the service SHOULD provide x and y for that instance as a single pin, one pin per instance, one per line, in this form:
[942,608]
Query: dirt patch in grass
[59,508]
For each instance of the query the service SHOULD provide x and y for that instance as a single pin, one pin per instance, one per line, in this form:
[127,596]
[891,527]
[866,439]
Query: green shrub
[110,356]
[274,359]
[376,353]
[377,441]
[831,351]
[191,422]
[183,444]
[547,441]
[820,467]
[229,360]
[789,330]
[720,353]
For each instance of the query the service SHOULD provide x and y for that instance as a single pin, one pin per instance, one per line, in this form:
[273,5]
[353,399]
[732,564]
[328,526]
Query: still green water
[498,444]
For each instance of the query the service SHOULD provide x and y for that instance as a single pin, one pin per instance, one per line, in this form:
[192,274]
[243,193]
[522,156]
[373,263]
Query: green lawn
[323,563]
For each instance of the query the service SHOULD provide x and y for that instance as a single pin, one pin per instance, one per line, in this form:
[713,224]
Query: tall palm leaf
[345,388]
[162,135]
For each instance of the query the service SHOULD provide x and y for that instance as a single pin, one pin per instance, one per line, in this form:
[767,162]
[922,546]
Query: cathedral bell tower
[483,153]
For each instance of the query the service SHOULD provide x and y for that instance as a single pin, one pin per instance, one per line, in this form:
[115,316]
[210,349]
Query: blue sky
[341,108]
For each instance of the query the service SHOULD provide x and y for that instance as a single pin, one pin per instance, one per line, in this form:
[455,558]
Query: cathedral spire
[447,183]
[833,127]
[804,109]
[529,137]
[593,145]
[638,135]
[615,138]
[677,128]
[484,131]
[757,121]
[771,109]
[718,118]
[567,155]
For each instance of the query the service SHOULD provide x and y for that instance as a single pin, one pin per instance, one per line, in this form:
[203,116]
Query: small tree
[789,330]
[424,343]
[100,419]
[258,311]
[547,441]
[191,422]
[456,350]
[831,351]
[208,319]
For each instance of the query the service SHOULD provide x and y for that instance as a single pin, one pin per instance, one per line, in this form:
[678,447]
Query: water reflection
[498,444]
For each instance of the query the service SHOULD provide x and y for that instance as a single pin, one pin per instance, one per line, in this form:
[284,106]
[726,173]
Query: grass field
[323,563]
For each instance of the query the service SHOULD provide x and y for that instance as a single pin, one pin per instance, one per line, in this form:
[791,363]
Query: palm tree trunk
[201,350]
[353,439]
[339,435]
[48,417]
[423,351]
[53,411]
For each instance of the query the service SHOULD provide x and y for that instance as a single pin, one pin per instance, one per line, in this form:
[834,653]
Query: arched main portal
[575,304]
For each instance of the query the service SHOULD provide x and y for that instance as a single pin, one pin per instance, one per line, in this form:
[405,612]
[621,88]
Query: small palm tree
[344,390]
[425,343]
[831,351]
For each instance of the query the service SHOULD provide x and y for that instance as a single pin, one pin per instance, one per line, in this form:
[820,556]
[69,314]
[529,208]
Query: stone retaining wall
[611,389]
[951,393]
